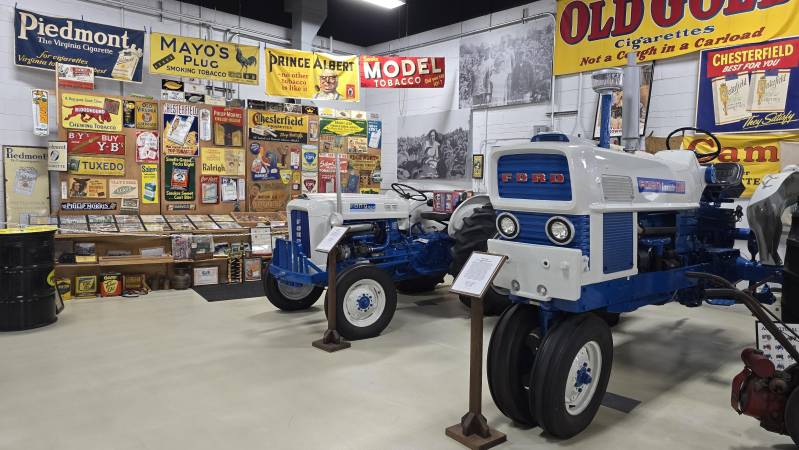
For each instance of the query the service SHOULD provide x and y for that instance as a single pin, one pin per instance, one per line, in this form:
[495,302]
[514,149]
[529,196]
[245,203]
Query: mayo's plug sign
[199,58]
[593,34]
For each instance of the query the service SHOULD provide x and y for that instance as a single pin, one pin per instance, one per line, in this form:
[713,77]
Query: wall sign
[310,158]
[57,156]
[87,187]
[749,88]
[121,188]
[72,76]
[228,126]
[276,126]
[374,133]
[149,183]
[88,206]
[95,143]
[27,183]
[146,115]
[41,122]
[96,165]
[343,127]
[179,177]
[199,58]
[402,72]
[327,163]
[42,41]
[147,146]
[210,189]
[91,112]
[222,161]
[301,74]
[758,153]
[591,35]
[180,132]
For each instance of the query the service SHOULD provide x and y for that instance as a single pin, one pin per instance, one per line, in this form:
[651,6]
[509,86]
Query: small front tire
[365,302]
[290,296]
[571,374]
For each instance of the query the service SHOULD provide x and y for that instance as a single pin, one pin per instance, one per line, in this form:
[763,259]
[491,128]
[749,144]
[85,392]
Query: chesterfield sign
[593,34]
[41,42]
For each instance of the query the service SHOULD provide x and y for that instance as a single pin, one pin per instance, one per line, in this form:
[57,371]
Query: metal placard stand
[474,279]
[331,340]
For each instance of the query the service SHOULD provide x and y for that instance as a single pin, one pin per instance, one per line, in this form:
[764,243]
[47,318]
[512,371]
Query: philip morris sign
[42,41]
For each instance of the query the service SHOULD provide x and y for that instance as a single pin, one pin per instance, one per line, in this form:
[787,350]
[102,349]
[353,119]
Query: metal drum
[28,298]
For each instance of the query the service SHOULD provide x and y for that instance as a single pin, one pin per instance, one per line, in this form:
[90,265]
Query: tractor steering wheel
[702,157]
[408,192]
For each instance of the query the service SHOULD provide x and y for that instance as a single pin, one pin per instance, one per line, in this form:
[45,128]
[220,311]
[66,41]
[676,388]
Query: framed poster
[181,129]
[616,105]
[477,166]
[749,88]
[179,174]
[27,183]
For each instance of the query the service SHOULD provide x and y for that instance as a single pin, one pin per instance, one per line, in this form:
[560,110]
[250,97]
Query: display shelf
[133,260]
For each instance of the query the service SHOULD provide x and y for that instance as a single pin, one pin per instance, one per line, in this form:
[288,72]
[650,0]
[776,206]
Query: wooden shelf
[149,234]
[134,260]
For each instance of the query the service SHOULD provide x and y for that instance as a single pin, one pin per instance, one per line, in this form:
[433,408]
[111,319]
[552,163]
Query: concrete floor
[171,371]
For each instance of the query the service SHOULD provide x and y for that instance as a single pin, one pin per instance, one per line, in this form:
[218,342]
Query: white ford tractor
[591,233]
[395,242]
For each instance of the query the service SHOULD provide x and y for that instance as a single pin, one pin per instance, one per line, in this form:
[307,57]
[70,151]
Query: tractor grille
[534,176]
[300,231]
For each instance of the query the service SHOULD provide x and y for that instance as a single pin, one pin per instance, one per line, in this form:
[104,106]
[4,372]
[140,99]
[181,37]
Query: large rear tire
[792,416]
[473,236]
[511,354]
[419,285]
[570,374]
[288,296]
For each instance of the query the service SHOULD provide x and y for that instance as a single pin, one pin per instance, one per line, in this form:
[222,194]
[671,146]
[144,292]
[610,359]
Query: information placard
[477,274]
[333,237]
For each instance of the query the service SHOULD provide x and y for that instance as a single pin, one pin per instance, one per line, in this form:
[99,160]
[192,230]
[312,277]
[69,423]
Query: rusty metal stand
[473,430]
[331,341]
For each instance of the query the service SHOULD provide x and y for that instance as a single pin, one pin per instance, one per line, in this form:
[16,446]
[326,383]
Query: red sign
[771,55]
[402,72]
[327,163]
[233,116]
[95,143]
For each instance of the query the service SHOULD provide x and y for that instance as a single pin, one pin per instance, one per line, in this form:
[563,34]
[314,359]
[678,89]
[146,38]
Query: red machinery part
[759,391]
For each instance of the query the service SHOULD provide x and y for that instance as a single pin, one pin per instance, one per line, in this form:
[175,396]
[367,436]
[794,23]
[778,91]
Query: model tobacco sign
[41,41]
[402,72]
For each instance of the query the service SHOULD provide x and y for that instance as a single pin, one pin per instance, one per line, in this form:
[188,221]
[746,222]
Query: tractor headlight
[507,225]
[560,230]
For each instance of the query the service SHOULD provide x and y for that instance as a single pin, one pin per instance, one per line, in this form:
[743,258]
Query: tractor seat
[436,216]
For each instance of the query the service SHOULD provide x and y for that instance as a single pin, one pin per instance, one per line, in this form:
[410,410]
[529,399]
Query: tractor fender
[465,209]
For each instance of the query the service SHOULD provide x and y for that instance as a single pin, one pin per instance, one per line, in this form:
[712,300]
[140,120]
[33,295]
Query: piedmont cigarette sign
[750,88]
[91,112]
[402,72]
[96,143]
[593,34]
[41,42]
[199,58]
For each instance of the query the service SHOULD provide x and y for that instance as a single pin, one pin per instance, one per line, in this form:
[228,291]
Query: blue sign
[749,88]
[41,41]
[660,185]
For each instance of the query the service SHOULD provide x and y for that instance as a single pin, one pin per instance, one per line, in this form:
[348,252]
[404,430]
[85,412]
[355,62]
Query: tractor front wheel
[511,353]
[290,296]
[571,374]
[365,302]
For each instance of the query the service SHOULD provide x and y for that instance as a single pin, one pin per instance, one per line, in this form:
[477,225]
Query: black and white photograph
[512,65]
[434,146]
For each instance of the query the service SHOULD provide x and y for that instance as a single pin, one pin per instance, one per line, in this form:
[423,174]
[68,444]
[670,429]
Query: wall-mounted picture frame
[477,166]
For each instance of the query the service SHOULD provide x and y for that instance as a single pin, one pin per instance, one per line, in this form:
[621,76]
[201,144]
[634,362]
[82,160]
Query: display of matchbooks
[772,348]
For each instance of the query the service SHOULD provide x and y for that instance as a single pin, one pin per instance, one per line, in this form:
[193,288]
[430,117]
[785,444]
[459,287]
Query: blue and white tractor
[395,243]
[591,233]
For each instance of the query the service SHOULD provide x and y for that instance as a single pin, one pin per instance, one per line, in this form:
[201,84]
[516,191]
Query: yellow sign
[199,58]
[87,187]
[90,112]
[758,153]
[276,126]
[27,183]
[146,115]
[301,74]
[149,183]
[591,35]
[96,165]
[222,161]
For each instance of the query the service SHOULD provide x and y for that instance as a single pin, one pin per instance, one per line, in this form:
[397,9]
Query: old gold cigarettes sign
[594,34]
[199,58]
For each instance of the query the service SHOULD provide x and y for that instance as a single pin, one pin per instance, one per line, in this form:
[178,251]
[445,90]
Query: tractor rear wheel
[792,416]
[290,296]
[570,374]
[511,353]
[473,236]
[419,285]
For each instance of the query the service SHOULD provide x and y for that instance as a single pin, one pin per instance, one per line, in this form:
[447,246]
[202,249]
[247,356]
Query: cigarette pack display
[222,218]
[131,227]
[157,227]
[110,284]
[153,218]
[101,219]
[206,225]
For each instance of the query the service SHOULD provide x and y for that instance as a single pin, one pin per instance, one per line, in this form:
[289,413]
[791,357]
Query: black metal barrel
[27,279]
